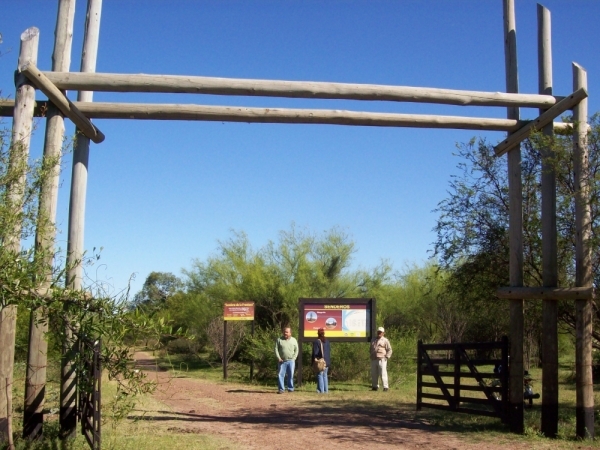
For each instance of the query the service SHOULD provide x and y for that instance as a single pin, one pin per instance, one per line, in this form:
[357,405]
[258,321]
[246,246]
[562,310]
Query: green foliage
[261,350]
[472,232]
[274,277]
[32,279]
[157,289]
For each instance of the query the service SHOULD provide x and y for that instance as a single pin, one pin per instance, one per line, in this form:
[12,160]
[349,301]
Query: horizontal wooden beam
[146,111]
[117,110]
[61,102]
[113,82]
[545,293]
[546,118]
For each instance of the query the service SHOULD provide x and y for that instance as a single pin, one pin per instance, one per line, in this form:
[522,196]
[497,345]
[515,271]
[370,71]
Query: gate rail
[493,385]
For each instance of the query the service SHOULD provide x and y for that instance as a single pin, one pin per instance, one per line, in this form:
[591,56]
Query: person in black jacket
[322,349]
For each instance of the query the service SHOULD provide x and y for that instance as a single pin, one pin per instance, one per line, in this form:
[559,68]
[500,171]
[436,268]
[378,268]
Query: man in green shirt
[286,351]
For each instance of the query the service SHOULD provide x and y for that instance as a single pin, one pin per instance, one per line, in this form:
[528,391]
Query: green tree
[300,264]
[157,289]
[472,230]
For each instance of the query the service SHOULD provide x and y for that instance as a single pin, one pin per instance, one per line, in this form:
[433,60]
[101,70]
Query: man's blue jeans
[322,383]
[286,368]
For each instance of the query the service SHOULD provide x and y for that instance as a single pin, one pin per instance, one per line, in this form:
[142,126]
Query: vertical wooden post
[35,381]
[504,380]
[252,360]
[75,245]
[515,229]
[456,377]
[419,374]
[224,349]
[19,154]
[584,411]
[549,239]
[75,242]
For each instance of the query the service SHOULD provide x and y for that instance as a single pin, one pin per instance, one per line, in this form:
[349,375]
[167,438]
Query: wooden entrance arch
[53,83]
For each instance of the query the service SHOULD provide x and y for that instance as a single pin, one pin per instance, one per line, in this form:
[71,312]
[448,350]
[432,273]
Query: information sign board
[238,311]
[343,319]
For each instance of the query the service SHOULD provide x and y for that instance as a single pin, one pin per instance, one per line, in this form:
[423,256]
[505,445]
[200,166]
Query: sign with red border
[339,319]
[238,311]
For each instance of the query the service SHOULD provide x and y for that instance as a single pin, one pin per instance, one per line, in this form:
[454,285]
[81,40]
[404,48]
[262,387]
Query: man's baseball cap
[321,330]
[381,329]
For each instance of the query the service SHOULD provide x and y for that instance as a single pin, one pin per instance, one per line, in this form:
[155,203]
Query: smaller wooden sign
[238,311]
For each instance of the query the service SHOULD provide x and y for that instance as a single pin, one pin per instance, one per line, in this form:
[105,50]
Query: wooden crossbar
[116,82]
[545,293]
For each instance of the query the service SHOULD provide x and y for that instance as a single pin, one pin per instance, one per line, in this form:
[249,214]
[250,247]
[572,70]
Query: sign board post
[343,319]
[236,311]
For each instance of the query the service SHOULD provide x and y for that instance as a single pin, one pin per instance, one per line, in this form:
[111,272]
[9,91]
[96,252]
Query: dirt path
[261,419]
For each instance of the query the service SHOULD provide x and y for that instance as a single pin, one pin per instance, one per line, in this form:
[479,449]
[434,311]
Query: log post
[19,153]
[35,382]
[515,229]
[549,238]
[77,218]
[584,411]
[225,344]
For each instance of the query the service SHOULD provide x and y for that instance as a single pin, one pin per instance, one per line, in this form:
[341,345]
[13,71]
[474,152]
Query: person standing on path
[381,350]
[322,349]
[286,351]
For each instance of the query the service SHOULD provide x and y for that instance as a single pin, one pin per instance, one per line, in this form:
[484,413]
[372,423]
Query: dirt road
[259,418]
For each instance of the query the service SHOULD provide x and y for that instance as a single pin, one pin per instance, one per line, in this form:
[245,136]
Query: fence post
[419,373]
[456,377]
[504,380]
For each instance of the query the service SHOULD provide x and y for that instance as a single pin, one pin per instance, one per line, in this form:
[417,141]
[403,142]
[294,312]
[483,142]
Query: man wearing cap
[381,350]
[286,351]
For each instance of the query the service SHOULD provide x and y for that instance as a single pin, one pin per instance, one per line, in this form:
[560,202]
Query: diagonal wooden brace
[547,117]
[61,102]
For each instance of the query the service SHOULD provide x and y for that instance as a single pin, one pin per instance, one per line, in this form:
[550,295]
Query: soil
[259,418]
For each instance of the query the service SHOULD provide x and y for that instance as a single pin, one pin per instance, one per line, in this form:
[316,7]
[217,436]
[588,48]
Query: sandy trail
[258,418]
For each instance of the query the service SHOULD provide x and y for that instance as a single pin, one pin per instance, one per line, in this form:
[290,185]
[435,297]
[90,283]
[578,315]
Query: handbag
[319,364]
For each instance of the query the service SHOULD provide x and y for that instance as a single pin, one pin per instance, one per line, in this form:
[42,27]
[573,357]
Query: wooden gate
[89,381]
[470,390]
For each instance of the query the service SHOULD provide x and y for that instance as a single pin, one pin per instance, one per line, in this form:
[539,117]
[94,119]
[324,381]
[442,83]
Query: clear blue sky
[162,193]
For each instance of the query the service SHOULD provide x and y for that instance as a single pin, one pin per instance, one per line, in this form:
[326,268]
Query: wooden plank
[545,293]
[113,82]
[442,373]
[434,396]
[463,387]
[544,119]
[466,346]
[61,102]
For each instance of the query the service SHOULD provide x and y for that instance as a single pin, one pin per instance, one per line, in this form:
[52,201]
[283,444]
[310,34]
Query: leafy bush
[261,350]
